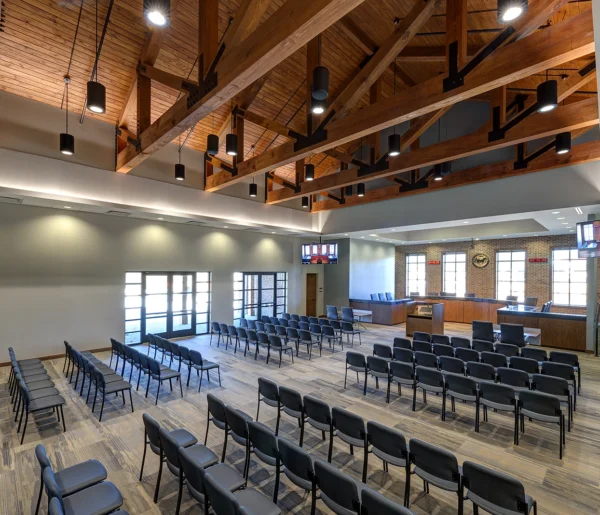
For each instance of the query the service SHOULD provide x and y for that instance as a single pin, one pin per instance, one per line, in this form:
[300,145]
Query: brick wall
[482,281]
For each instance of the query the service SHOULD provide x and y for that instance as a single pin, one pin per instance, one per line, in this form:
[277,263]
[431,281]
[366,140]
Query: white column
[592,296]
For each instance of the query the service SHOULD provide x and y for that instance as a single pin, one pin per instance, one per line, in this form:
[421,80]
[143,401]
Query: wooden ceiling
[35,49]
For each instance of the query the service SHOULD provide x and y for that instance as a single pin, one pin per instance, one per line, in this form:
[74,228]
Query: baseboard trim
[56,356]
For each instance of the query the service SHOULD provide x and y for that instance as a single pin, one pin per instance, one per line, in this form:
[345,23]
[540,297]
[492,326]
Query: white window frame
[453,287]
[573,256]
[512,290]
[421,286]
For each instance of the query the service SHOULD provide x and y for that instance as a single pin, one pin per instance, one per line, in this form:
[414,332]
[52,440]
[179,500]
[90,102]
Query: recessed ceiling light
[578,210]
[535,235]
[430,242]
[345,234]
[160,218]
[373,235]
[465,222]
[376,239]
[476,239]
[225,227]
[555,212]
[362,237]
[505,235]
[443,240]
[67,207]
[273,232]
[569,227]
[565,223]
[572,230]
[561,218]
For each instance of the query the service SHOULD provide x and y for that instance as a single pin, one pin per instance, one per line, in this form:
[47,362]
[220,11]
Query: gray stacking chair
[201,365]
[483,346]
[350,428]
[169,454]
[260,326]
[516,379]
[540,355]
[429,380]
[56,508]
[162,374]
[440,349]
[565,371]
[305,326]
[292,405]
[373,503]
[261,341]
[379,368]
[225,334]
[281,331]
[264,444]
[237,426]
[291,335]
[558,387]
[232,337]
[483,330]
[303,318]
[531,366]
[277,345]
[513,334]
[328,333]
[252,324]
[305,338]
[244,502]
[480,372]
[425,359]
[464,389]
[450,365]
[243,323]
[356,361]
[242,337]
[435,466]
[382,351]
[54,402]
[215,328]
[421,336]
[402,343]
[466,354]
[194,474]
[323,322]
[99,499]
[294,324]
[459,342]
[318,414]
[297,464]
[507,349]
[498,397]
[313,320]
[440,338]
[568,358]
[268,392]
[493,359]
[295,317]
[495,492]
[339,492]
[545,408]
[402,373]
[216,415]
[349,329]
[388,444]
[404,355]
[72,479]
[422,346]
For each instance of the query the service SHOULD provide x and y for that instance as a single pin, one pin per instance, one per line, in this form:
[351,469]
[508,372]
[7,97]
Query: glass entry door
[257,294]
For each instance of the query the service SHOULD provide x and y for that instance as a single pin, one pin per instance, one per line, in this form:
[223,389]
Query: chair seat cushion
[43,392]
[28,361]
[39,385]
[257,503]
[495,509]
[46,402]
[225,476]
[36,377]
[444,484]
[117,386]
[183,437]
[30,366]
[32,372]
[167,373]
[80,476]
[202,455]
[99,499]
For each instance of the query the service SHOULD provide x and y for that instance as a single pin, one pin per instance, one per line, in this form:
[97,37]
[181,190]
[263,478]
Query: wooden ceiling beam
[382,58]
[358,36]
[583,153]
[168,79]
[430,54]
[560,43]
[208,35]
[294,24]
[245,21]
[270,125]
[540,125]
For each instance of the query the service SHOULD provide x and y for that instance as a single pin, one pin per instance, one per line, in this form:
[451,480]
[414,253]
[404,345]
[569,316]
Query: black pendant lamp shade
[437,172]
[348,191]
[96,97]
[360,189]
[320,84]
[253,190]
[305,202]
[317,106]
[157,12]
[180,172]
[563,142]
[394,145]
[509,10]
[67,141]
[547,96]
[231,143]
[212,144]
[309,174]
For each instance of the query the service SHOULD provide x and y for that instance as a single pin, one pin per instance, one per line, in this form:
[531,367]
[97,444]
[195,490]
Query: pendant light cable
[395,86]
[73,48]
[67,80]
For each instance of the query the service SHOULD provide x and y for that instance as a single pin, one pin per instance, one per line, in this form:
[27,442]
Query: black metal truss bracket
[303,141]
[196,93]
[223,166]
[456,77]
[287,184]
[522,160]
[421,184]
[498,132]
[379,166]
[132,141]
[340,200]
[587,69]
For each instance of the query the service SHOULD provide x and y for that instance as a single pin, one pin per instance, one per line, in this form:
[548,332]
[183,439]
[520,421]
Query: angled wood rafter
[430,54]
[294,24]
[245,21]
[168,79]
[358,36]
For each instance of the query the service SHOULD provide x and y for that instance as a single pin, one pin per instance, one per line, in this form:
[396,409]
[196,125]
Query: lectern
[425,316]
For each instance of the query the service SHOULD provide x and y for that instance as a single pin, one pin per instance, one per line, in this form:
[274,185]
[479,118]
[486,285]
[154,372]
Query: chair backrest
[513,334]
[429,376]
[374,296]
[285,316]
[315,329]
[304,335]
[508,349]
[402,370]
[42,457]
[317,410]
[421,336]
[265,318]
[356,359]
[268,389]
[440,338]
[237,421]
[531,366]
[425,359]
[264,441]
[381,296]
[260,326]
[388,295]
[531,302]
[232,330]
[291,399]
[305,326]
[348,315]
[482,330]
[252,324]
[323,322]
[552,368]
[550,384]
[538,402]
[373,503]
[383,351]
[274,320]
[421,346]
[483,346]
[222,500]
[348,423]
[243,322]
[303,318]
[498,489]
[387,440]
[404,355]
[378,365]
[414,294]
[295,460]
[568,358]
[283,321]
[337,487]
[460,342]
[241,333]
[434,460]
[192,469]
[281,330]
[55,507]
[513,377]
[469,295]
[295,317]
[533,353]
[170,447]
[263,338]
[251,335]
[152,428]
[480,371]
[154,366]
[452,365]
[440,349]
[293,323]
[224,328]
[313,320]
[327,330]
[275,341]
[497,393]
[337,325]
[196,357]
[466,354]
[512,298]
[292,333]
[216,327]
[403,343]
[51,485]
[216,407]
[332,312]
[461,384]
[496,360]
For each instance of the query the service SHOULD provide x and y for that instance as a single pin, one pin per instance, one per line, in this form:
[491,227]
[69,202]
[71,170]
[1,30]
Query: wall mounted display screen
[320,253]
[588,239]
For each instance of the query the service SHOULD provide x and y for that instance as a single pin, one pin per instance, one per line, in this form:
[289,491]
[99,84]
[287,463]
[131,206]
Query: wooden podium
[425,316]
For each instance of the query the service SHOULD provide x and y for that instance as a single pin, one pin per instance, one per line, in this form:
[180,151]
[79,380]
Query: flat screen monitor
[320,253]
[588,239]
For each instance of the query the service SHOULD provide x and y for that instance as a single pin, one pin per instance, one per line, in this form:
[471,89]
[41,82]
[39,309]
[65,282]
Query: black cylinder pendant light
[309,173]
[253,189]
[67,141]
[563,143]
[509,10]
[212,144]
[305,202]
[231,143]
[360,189]
[437,172]
[96,92]
[157,12]
[547,96]
[394,145]
[348,191]
[320,84]
[317,106]
[180,172]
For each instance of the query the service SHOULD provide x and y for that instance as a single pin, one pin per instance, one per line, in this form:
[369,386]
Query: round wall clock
[480,260]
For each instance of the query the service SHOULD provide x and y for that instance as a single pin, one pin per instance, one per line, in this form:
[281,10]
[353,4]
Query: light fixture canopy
[67,144]
[96,97]
[547,96]
[509,10]
[563,142]
[305,202]
[309,173]
[360,189]
[212,145]
[320,83]
[180,172]
[394,145]
[158,12]
[317,106]
[253,190]
[231,143]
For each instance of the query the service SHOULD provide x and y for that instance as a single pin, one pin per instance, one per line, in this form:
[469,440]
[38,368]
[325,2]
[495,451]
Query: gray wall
[372,268]
[337,277]
[62,273]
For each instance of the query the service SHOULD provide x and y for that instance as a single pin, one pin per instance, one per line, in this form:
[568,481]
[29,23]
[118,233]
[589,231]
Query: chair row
[32,391]
[77,490]
[104,379]
[432,464]
[539,396]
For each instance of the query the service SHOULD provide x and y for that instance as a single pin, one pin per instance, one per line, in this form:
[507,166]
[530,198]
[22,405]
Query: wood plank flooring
[570,486]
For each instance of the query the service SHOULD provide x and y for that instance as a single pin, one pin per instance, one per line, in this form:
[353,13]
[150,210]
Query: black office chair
[483,330]
[374,503]
[339,492]
[414,294]
[513,334]
[381,296]
[512,298]
[429,380]
[494,491]
[469,295]
[263,444]
[545,408]
[374,296]
[531,302]
[403,343]
[435,466]
[350,428]
[356,362]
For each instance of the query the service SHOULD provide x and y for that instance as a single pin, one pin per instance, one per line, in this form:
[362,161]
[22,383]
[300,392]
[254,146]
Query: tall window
[170,304]
[569,274]
[415,274]
[454,273]
[510,274]
[256,294]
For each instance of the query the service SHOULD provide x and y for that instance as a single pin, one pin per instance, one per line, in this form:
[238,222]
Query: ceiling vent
[114,212]
[253,229]
[10,200]
[194,222]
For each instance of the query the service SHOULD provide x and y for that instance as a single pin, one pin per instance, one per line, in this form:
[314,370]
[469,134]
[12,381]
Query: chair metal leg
[200,384]
[180,386]
[407,486]
[365,462]
[157,390]
[37,507]
[180,493]
[219,373]
[224,445]
[148,385]
[25,426]
[144,455]
[301,430]
[102,407]
[160,467]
